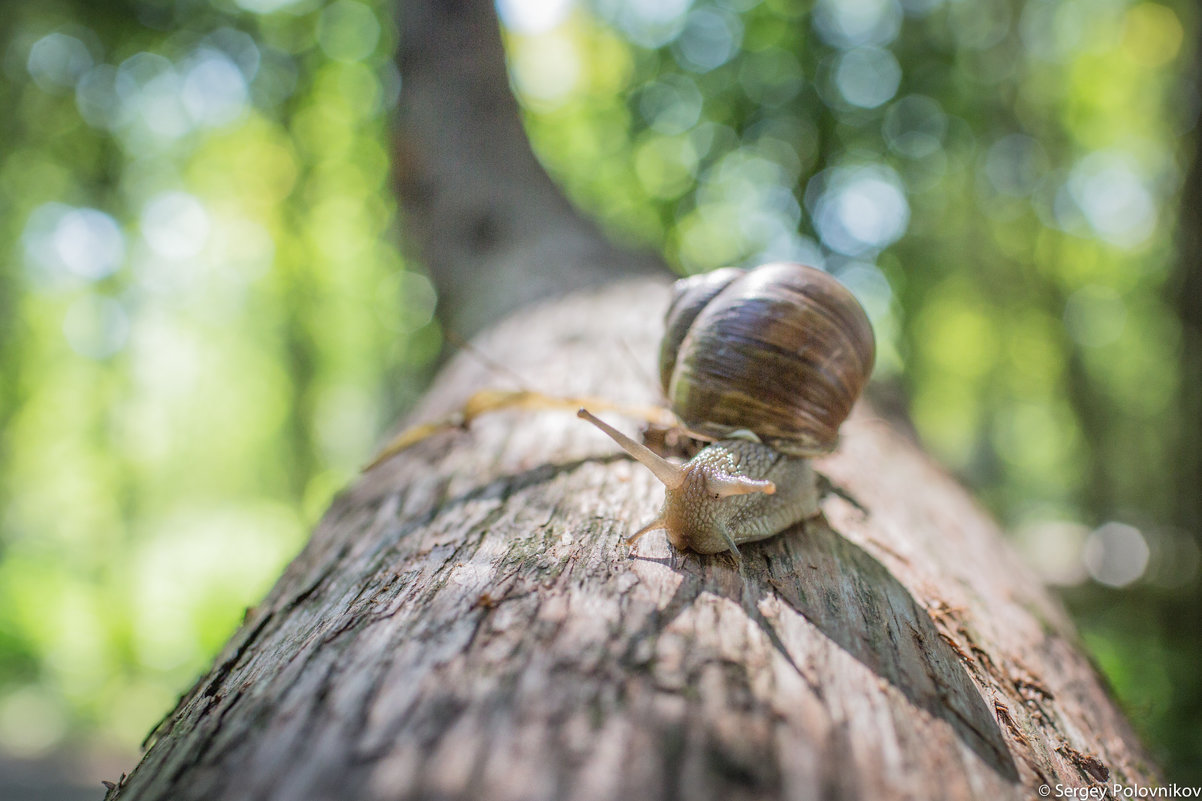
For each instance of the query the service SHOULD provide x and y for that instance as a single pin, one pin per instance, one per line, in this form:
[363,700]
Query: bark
[465,623]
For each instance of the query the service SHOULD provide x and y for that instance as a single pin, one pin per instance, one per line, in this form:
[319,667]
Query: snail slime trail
[769,363]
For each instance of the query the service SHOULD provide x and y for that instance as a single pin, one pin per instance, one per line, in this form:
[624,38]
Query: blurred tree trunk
[464,622]
[1186,475]
[495,232]
[1186,292]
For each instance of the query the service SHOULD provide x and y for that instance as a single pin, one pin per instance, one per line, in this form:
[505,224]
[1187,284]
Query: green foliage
[204,315]
[206,323]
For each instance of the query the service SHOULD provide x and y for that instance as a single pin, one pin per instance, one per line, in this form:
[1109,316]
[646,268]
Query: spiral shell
[782,350]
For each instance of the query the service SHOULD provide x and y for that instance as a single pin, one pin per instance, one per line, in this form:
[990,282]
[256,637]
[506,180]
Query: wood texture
[465,623]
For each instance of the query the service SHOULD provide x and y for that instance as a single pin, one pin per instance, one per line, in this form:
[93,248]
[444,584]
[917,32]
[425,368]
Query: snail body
[696,518]
[768,362]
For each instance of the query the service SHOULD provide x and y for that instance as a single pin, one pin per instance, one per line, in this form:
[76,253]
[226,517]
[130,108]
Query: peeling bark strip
[465,624]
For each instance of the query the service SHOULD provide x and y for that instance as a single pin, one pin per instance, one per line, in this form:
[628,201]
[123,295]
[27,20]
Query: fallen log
[466,623]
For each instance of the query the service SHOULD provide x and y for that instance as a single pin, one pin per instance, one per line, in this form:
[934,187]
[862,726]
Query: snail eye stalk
[670,474]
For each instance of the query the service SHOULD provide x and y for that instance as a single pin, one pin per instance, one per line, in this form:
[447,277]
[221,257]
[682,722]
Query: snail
[765,363]
[768,363]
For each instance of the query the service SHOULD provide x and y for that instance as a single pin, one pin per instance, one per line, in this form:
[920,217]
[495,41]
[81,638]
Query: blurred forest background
[207,318]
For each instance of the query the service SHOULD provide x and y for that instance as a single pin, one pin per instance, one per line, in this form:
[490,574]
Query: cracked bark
[464,622]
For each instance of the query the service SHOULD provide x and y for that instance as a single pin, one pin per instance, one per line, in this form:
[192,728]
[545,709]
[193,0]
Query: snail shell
[782,350]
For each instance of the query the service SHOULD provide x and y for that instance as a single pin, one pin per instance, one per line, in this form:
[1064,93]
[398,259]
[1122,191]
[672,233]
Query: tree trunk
[493,230]
[465,623]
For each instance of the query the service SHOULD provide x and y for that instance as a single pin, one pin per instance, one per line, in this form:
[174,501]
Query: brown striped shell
[782,350]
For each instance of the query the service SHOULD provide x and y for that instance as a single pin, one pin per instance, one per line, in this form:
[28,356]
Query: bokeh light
[208,319]
[997,182]
[199,215]
[1116,554]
